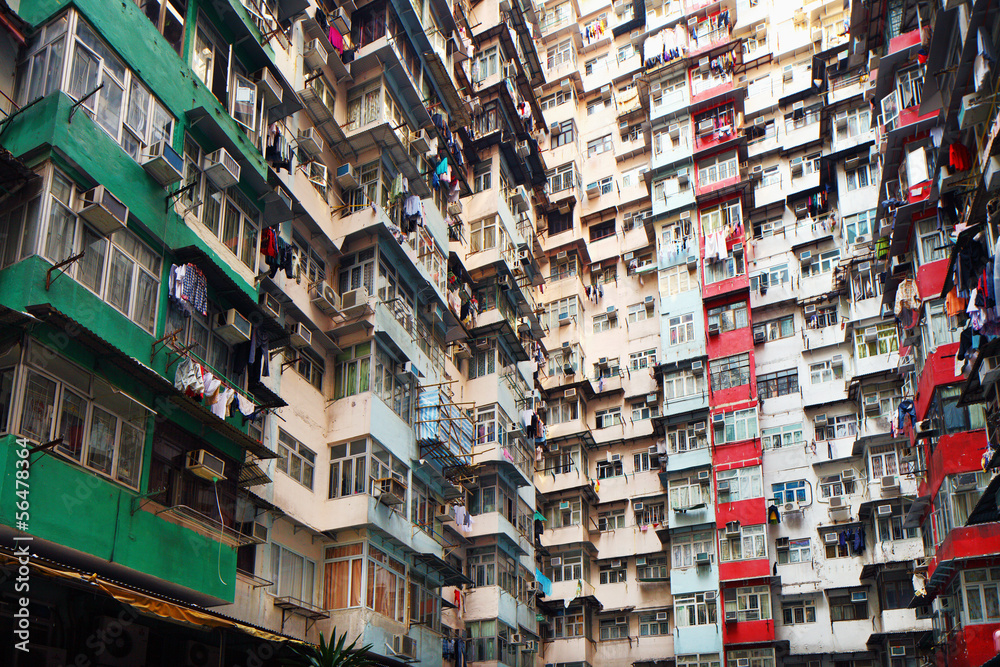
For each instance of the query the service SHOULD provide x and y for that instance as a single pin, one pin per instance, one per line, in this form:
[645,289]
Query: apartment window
[782,327]
[770,175]
[614,628]
[644,410]
[730,317]
[693,609]
[789,492]
[748,545]
[295,459]
[677,280]
[310,366]
[598,64]
[650,627]
[566,134]
[124,107]
[772,277]
[861,224]
[644,359]
[605,322]
[611,520]
[625,52]
[656,569]
[609,417]
[685,547]
[650,514]
[681,384]
[564,309]
[608,369]
[168,17]
[688,492]
[425,604]
[933,245]
[599,145]
[835,485]
[718,168]
[564,360]
[826,371]
[352,373]
[484,361]
[565,513]
[735,426]
[638,313]
[606,469]
[751,603]
[780,383]
[821,316]
[294,575]
[739,484]
[569,569]
[705,660]
[781,436]
[568,624]
[348,465]
[862,176]
[101,428]
[613,574]
[486,64]
[560,54]
[981,592]
[483,234]
[386,585]
[604,186]
[561,96]
[951,417]
[483,176]
[730,267]
[824,263]
[729,372]
[768,228]
[343,578]
[887,340]
[602,230]
[561,178]
[598,105]
[633,176]
[687,438]
[890,528]
[909,83]
[229,215]
[852,123]
[795,551]
[758,657]
[844,608]
[681,329]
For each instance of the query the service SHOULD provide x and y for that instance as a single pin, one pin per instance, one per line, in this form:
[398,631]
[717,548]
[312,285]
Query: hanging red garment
[958,157]
[337,40]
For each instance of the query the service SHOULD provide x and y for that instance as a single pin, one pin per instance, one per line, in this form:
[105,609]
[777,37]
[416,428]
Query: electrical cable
[222,526]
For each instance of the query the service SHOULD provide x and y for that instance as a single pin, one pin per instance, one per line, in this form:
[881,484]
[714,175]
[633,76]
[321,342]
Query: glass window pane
[101,444]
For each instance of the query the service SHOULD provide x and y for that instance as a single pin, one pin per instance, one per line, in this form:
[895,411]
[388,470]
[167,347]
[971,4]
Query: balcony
[767,194]
[554,537]
[800,136]
[899,621]
[664,156]
[557,25]
[567,590]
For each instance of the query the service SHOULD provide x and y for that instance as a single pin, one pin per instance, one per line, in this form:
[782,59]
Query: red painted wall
[967,542]
[751,512]
[971,646]
[744,569]
[749,632]
[939,369]
[930,278]
[958,452]
[906,40]
[737,454]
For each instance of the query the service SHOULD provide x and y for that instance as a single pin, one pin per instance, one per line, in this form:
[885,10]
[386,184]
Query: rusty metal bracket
[66,262]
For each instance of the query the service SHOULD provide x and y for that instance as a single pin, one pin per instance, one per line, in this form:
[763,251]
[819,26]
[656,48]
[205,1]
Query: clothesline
[185,353]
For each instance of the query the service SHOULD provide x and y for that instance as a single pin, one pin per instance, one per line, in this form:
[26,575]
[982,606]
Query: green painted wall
[82,511]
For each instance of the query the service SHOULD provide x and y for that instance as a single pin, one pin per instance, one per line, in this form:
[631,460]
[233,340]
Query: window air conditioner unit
[300,335]
[837,360]
[809,311]
[354,301]
[205,464]
[759,336]
[742,662]
[674,131]
[798,106]
[555,561]
[345,177]
[340,21]
[724,488]
[555,129]
[314,54]
[884,510]
[568,369]
[889,483]
[864,266]
[259,532]
[515,639]
[757,169]
[819,420]
[392,491]
[637,507]
[404,647]
[831,538]
[699,427]
[310,142]
[569,393]
[232,327]
[564,505]
[661,615]
[713,328]
[705,126]
[847,475]
[871,334]
[788,74]
[806,258]
[103,210]
[562,254]
[163,163]
[326,299]
[272,306]
[731,617]
[616,563]
[222,169]
[859,596]
[615,457]
[703,558]
[651,398]
[697,366]
[872,405]
[269,87]
[649,301]
[965,481]
[530,646]
[897,651]
[719,419]
[606,92]
[837,502]
[704,476]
